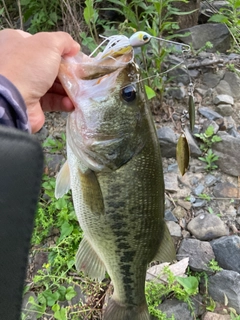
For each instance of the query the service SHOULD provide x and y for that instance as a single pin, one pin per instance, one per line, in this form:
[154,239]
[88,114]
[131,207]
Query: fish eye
[129,93]
[145,37]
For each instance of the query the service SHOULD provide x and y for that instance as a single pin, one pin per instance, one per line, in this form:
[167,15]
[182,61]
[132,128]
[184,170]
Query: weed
[55,145]
[210,159]
[43,14]
[91,17]
[205,196]
[213,265]
[179,287]
[208,138]
[208,45]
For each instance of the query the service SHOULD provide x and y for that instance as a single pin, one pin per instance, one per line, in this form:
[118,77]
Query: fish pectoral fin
[88,261]
[166,251]
[91,190]
[62,181]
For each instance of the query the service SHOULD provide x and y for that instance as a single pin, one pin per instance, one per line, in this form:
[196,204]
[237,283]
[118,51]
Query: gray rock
[170,181]
[234,82]
[179,74]
[231,212]
[225,190]
[194,149]
[174,229]
[179,212]
[168,142]
[192,199]
[227,252]
[42,134]
[223,88]
[207,123]
[207,227]
[176,92]
[173,167]
[198,190]
[200,253]
[227,283]
[223,99]
[199,203]
[193,73]
[216,33]
[177,308]
[215,316]
[228,151]
[211,80]
[210,180]
[209,113]
[168,216]
[224,109]
[228,123]
[233,132]
[185,204]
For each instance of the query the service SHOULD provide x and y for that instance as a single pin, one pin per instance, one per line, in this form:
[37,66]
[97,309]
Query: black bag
[21,167]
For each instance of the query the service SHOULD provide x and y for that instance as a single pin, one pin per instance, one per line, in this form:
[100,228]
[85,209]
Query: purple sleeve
[12,106]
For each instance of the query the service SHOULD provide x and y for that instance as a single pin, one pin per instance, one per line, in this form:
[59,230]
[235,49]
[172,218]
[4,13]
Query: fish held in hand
[114,170]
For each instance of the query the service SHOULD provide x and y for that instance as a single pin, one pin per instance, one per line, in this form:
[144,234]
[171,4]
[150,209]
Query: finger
[23,33]
[61,41]
[56,102]
[36,117]
[57,88]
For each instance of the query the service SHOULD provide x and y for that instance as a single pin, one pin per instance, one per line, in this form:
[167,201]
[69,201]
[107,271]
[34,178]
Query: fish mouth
[90,69]
[91,77]
[85,67]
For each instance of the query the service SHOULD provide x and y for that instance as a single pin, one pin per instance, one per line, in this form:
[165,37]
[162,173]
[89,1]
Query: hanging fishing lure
[191,107]
[182,153]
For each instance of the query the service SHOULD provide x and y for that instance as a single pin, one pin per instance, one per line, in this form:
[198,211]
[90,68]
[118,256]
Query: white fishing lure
[140,38]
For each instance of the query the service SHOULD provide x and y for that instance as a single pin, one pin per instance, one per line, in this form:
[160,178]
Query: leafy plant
[55,145]
[181,288]
[91,17]
[43,15]
[213,265]
[210,159]
[229,15]
[204,196]
[208,138]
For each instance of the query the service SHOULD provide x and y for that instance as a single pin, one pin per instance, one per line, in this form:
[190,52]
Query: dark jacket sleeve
[12,106]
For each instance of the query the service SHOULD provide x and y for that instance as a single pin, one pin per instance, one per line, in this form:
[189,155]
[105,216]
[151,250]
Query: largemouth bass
[114,170]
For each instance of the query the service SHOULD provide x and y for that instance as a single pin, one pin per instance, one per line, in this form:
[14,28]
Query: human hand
[31,63]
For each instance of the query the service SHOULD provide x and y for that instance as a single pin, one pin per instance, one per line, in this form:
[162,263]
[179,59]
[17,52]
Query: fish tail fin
[116,311]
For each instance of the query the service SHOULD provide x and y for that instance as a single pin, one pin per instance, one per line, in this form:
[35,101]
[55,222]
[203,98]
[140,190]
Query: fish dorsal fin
[166,251]
[62,181]
[89,262]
